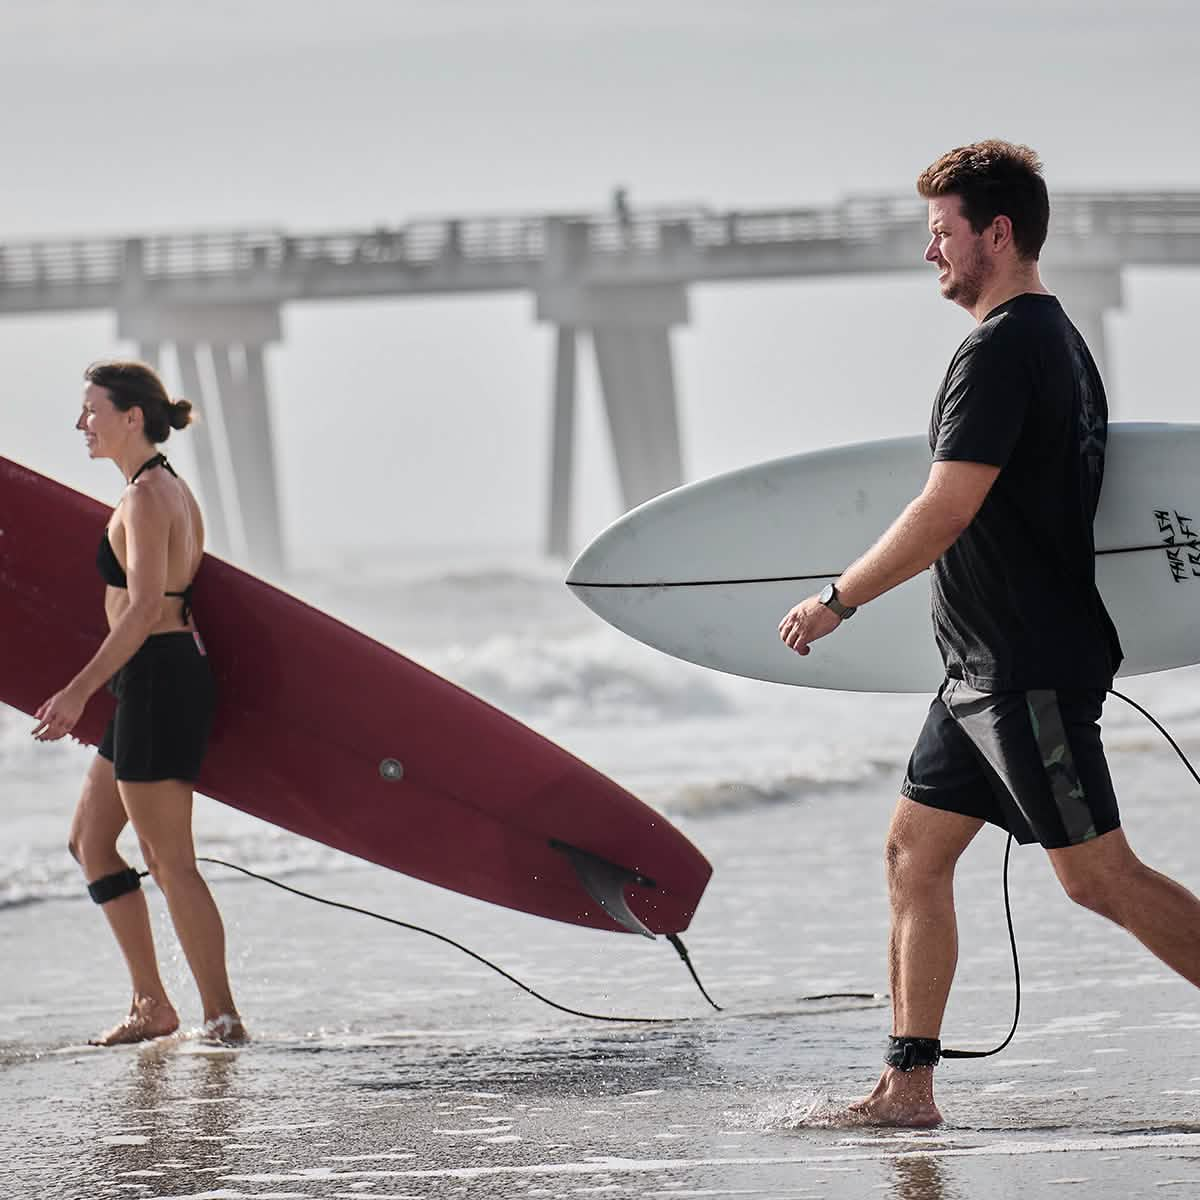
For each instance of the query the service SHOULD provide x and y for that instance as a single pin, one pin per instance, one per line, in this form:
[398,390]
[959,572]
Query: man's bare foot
[148,1018]
[901,1099]
[226,1030]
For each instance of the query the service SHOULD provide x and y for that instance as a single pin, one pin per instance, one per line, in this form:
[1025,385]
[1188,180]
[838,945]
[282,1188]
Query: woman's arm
[147,527]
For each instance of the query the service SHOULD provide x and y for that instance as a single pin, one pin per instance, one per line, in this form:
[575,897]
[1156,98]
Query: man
[1005,521]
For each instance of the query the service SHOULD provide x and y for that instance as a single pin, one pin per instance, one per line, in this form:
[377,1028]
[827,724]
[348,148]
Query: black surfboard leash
[1157,725]
[675,940]
[1012,937]
[682,951]
[1012,941]
[441,937]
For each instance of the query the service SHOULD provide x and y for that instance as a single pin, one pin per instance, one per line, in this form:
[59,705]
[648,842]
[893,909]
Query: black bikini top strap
[186,597]
[159,460]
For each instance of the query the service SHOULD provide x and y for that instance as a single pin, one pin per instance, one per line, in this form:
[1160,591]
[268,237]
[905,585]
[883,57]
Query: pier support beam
[201,433]
[562,444]
[630,326]
[1087,294]
[639,398]
[236,335]
[243,393]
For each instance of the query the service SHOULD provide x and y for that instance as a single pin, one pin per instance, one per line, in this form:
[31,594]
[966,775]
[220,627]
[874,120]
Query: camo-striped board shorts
[1030,762]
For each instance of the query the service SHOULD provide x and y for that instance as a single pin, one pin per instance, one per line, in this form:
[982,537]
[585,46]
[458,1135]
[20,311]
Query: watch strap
[835,605]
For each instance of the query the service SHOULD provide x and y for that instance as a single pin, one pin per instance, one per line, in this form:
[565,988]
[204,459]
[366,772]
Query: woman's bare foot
[226,1030]
[901,1098]
[148,1018]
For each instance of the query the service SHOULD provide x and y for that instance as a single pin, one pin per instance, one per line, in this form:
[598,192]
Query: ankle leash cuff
[109,887]
[908,1053]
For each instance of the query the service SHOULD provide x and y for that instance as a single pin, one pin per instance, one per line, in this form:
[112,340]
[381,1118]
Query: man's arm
[924,531]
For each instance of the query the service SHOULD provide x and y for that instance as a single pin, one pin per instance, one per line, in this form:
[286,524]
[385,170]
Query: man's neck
[1020,282]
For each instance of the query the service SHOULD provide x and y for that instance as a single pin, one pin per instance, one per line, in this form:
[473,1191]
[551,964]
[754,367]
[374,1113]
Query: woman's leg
[161,813]
[98,821]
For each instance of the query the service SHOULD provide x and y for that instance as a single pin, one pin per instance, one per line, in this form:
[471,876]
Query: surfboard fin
[605,882]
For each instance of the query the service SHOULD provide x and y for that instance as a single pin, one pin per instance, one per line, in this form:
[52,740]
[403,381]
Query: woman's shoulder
[147,502]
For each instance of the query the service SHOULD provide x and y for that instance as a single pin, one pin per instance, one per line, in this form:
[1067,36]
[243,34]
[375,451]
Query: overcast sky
[420,421]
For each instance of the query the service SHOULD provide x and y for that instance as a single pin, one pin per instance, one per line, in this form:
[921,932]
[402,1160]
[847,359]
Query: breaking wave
[734,796]
[593,677]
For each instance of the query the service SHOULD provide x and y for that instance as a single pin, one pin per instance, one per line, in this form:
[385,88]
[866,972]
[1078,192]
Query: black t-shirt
[1015,604]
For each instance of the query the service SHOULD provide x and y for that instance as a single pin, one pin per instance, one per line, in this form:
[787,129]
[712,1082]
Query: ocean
[388,1064]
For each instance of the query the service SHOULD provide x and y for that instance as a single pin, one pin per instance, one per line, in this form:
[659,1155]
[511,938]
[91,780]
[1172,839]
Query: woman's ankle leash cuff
[109,887]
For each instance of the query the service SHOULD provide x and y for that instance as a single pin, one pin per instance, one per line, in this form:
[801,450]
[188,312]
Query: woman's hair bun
[180,413]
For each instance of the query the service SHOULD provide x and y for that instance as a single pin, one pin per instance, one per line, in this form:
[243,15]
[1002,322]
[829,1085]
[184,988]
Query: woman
[150,755]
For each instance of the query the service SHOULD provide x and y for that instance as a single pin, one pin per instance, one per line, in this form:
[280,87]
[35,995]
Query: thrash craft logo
[1180,543]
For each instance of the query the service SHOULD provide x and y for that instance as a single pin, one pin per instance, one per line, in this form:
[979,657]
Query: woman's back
[177,507]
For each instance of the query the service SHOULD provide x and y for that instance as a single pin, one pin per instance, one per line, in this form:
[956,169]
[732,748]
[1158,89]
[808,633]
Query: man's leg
[1105,875]
[923,847]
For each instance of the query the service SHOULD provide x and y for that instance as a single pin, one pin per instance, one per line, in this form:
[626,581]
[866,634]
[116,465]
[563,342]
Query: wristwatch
[829,598]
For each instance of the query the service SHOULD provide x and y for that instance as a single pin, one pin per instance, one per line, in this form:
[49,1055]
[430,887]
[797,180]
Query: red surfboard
[332,735]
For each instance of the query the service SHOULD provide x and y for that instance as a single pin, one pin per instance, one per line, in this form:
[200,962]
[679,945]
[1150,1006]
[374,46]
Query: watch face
[826,594]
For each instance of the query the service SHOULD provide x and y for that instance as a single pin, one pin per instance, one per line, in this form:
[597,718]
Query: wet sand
[388,1065]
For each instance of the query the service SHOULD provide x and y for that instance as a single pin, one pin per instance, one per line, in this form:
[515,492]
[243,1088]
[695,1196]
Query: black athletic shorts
[165,698]
[1030,762]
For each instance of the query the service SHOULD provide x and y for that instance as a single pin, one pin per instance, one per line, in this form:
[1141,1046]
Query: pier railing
[98,265]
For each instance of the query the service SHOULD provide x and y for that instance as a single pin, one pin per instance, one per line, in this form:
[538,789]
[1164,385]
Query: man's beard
[966,288]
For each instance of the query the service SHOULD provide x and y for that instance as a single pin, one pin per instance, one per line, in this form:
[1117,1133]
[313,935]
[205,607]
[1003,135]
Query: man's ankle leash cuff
[109,887]
[908,1053]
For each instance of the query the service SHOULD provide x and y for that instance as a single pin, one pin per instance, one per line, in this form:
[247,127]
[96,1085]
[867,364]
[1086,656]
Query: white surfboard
[707,571]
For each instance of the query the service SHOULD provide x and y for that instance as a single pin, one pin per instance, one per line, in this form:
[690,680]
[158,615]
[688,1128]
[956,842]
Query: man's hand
[809,620]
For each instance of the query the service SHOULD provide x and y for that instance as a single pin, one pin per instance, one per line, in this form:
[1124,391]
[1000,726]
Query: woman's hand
[60,714]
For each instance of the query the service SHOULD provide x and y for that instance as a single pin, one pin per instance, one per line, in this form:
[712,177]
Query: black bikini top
[111,570]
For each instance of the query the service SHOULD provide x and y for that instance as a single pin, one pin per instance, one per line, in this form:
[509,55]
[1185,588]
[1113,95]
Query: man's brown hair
[994,178]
